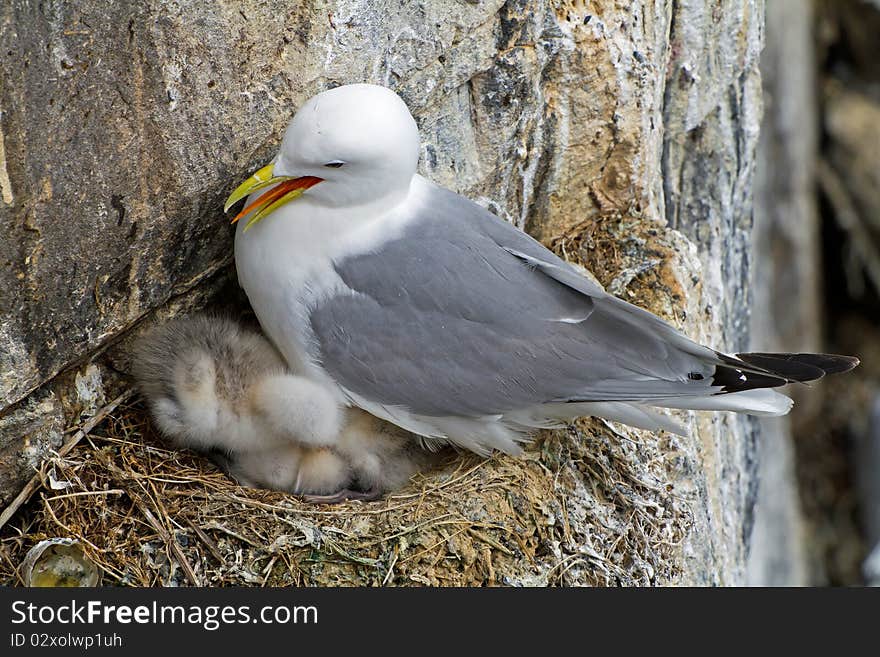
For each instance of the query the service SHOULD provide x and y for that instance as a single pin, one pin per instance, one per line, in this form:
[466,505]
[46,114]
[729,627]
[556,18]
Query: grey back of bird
[462,327]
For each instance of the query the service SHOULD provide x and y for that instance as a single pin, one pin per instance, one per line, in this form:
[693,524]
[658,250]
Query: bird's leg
[345,495]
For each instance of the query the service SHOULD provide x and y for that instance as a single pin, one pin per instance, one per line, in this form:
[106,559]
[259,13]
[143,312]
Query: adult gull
[424,309]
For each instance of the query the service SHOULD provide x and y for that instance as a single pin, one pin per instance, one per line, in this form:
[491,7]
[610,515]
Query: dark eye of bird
[334,165]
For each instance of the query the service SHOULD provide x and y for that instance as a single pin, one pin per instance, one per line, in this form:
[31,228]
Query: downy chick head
[212,384]
[381,456]
[291,468]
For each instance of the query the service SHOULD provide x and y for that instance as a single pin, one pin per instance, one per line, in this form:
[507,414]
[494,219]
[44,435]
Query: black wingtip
[783,365]
[735,379]
[827,363]
[834,363]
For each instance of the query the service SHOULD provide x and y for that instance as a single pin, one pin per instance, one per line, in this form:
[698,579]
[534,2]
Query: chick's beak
[287,188]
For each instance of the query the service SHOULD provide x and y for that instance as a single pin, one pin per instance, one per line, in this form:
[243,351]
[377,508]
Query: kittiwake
[422,308]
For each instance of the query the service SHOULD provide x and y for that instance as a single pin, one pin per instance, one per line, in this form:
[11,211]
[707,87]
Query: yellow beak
[288,188]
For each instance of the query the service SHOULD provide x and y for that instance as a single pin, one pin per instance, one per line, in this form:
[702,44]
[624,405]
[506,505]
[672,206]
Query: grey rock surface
[27,433]
[786,312]
[125,126]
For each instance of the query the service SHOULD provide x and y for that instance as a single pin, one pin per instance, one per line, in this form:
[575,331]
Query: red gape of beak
[264,201]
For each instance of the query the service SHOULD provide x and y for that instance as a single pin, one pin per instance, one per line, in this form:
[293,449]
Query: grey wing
[464,315]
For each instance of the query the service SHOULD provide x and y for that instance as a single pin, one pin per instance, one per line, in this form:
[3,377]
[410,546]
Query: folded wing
[464,315]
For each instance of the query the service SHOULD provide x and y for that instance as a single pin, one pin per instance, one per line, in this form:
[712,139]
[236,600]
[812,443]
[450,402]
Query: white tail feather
[634,415]
[754,402]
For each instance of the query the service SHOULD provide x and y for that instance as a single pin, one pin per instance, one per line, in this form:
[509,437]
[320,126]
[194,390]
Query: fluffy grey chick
[382,457]
[212,384]
[369,458]
[216,387]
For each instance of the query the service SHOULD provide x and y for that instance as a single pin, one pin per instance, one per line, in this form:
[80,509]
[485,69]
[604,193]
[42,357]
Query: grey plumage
[522,327]
[515,327]
[510,336]
[216,387]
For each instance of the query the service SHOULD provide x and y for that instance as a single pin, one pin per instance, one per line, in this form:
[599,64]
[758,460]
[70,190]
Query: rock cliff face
[786,308]
[125,125]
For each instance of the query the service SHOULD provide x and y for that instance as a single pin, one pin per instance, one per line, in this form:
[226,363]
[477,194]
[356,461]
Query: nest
[593,504]
[584,506]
